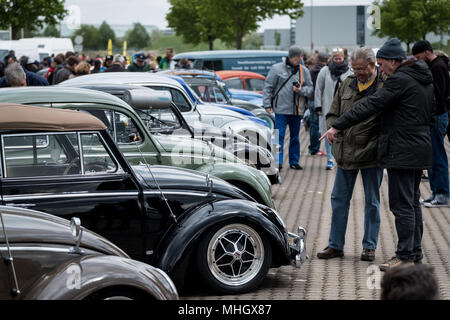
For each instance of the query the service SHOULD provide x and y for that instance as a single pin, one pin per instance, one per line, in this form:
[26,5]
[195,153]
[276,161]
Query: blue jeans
[281,122]
[438,173]
[314,135]
[328,150]
[340,204]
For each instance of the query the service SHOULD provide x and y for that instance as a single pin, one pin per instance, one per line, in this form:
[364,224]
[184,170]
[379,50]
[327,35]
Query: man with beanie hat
[406,105]
[285,90]
[439,182]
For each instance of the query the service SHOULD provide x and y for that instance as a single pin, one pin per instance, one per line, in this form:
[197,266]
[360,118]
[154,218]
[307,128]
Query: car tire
[234,258]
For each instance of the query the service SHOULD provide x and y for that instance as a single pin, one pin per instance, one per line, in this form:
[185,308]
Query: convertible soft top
[23,117]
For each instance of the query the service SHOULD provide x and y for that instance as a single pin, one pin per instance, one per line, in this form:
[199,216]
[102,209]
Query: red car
[245,80]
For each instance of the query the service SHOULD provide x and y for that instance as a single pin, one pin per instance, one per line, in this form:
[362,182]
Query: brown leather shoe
[394,262]
[368,255]
[329,253]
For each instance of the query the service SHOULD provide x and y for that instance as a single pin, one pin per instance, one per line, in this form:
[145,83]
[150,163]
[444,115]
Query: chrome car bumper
[298,247]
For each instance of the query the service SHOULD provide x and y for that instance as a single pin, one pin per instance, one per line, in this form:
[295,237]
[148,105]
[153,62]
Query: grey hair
[14,74]
[364,53]
[119,58]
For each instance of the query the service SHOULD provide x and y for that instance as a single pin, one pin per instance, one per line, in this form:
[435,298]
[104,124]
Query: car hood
[211,110]
[189,146]
[171,178]
[34,227]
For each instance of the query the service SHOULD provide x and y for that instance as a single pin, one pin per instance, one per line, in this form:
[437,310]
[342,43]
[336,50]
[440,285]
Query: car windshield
[163,121]
[208,90]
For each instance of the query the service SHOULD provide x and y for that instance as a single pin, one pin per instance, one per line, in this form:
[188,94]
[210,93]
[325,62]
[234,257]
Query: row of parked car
[171,186]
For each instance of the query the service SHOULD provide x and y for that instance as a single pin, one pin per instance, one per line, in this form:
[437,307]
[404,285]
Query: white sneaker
[436,203]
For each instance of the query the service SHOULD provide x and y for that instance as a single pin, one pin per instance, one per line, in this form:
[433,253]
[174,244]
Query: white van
[45,47]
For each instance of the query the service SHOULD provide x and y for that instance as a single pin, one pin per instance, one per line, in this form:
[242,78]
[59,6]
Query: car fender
[257,155]
[258,135]
[83,275]
[245,175]
[192,226]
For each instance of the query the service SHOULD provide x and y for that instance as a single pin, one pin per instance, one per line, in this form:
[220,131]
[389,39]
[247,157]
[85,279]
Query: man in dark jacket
[139,64]
[355,151]
[438,174]
[69,69]
[17,76]
[406,103]
[117,65]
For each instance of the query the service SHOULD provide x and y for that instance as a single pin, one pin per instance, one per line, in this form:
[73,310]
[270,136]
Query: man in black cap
[108,61]
[406,104]
[286,88]
[439,182]
[139,64]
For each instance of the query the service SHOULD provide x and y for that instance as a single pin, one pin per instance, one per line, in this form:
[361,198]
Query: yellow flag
[125,48]
[109,47]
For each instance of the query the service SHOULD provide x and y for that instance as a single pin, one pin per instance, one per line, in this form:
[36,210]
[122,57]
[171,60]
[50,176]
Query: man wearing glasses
[355,151]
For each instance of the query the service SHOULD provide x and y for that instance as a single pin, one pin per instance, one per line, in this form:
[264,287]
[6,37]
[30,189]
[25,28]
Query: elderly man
[355,151]
[285,90]
[16,76]
[406,103]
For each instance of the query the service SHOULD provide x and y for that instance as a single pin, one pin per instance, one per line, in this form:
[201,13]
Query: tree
[412,20]
[91,37]
[229,21]
[30,14]
[51,31]
[253,41]
[104,34]
[138,37]
[277,37]
[196,21]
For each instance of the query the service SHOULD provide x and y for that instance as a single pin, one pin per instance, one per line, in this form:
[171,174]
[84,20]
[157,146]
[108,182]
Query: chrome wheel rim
[235,254]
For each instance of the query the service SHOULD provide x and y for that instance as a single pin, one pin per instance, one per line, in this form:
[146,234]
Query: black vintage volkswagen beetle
[49,258]
[65,163]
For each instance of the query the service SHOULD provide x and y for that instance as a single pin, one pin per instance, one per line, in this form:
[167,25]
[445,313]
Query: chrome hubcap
[235,254]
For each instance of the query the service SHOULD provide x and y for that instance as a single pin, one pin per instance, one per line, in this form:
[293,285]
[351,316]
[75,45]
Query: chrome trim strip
[69,195]
[190,193]
[36,248]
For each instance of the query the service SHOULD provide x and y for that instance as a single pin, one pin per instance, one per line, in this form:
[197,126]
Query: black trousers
[404,195]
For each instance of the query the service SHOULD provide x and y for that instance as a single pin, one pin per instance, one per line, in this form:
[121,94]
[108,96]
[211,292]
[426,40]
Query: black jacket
[441,81]
[115,68]
[33,79]
[406,103]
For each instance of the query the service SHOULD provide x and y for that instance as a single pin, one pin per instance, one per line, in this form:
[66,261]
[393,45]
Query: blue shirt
[33,79]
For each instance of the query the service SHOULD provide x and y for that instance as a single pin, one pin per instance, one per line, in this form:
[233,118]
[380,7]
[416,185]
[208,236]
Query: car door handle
[22,205]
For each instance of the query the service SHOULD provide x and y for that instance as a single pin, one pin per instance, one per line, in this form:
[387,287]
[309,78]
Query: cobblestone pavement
[304,199]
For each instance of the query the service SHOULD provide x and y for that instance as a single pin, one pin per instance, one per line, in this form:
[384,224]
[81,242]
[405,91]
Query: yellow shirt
[364,86]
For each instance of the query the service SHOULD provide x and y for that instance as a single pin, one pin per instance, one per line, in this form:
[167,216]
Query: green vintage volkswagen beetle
[123,122]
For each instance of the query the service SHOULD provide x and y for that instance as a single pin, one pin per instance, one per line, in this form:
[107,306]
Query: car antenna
[9,260]
[156,182]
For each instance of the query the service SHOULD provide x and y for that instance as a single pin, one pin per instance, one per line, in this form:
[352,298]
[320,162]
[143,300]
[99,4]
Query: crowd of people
[52,70]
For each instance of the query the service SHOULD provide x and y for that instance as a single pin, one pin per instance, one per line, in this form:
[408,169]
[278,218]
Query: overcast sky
[153,12]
